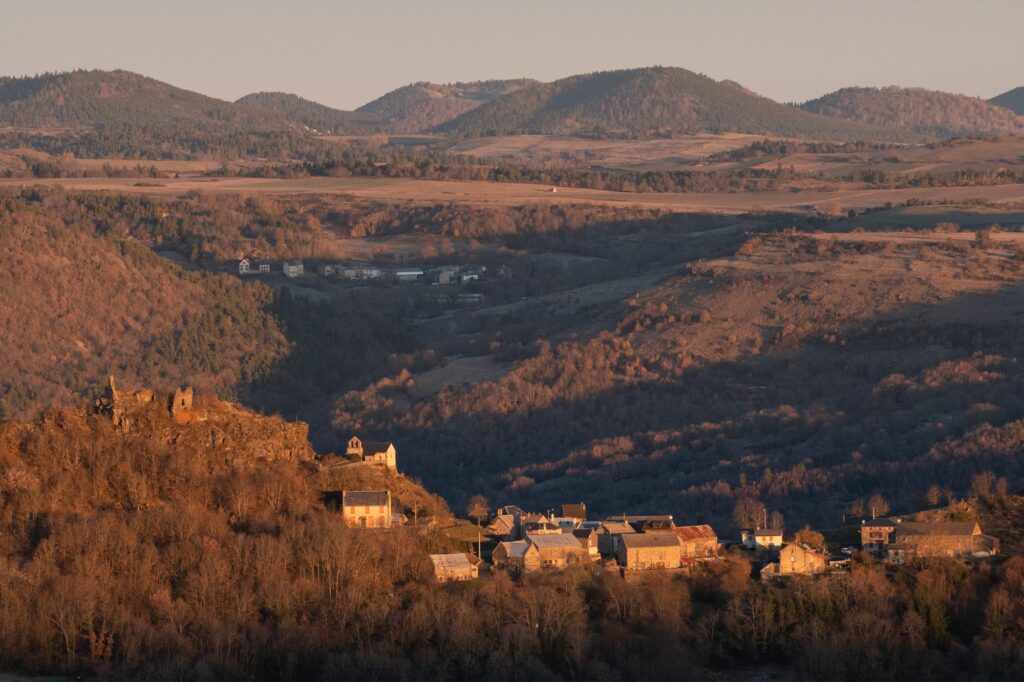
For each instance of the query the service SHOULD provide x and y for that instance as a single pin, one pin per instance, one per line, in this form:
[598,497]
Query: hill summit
[421,106]
[1011,99]
[311,114]
[101,98]
[928,112]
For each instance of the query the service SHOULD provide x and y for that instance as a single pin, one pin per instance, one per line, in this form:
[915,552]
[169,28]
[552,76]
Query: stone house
[516,557]
[244,266]
[366,508]
[379,453]
[875,534]
[797,559]
[588,540]
[697,542]
[293,268]
[609,537]
[643,551]
[453,567]
[558,550]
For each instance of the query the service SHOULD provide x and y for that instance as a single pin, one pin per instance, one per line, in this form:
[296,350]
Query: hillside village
[520,542]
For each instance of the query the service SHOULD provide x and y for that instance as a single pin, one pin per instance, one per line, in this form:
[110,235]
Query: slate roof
[554,541]
[767,532]
[364,498]
[375,447]
[649,540]
[451,562]
[617,528]
[516,549]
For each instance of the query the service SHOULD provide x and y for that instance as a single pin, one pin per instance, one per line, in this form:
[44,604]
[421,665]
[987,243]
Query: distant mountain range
[636,101]
[928,112]
[649,100]
[1011,99]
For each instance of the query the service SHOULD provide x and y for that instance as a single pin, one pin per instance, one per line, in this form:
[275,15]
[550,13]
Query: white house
[244,266]
[293,268]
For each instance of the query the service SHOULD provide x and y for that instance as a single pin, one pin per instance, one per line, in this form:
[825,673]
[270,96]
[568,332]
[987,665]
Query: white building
[293,268]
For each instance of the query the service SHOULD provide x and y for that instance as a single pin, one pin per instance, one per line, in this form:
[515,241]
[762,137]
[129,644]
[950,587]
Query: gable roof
[691,533]
[365,498]
[649,540]
[449,562]
[516,549]
[879,523]
[803,549]
[554,541]
[375,447]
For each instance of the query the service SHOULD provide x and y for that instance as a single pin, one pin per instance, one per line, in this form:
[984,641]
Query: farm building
[366,508]
[558,550]
[646,522]
[642,551]
[379,453]
[697,542]
[940,539]
[452,567]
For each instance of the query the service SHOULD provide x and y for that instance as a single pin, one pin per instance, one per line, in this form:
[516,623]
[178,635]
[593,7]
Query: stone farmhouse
[643,551]
[795,559]
[899,541]
[577,511]
[378,453]
[516,557]
[453,567]
[559,550]
[366,508]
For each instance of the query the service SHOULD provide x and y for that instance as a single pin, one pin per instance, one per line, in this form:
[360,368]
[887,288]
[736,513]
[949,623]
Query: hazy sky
[346,53]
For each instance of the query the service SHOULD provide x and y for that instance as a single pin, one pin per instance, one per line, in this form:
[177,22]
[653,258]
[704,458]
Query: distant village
[526,542]
[440,275]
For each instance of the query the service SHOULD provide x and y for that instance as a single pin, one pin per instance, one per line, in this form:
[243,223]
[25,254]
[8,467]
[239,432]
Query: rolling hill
[1011,99]
[421,106]
[928,112]
[310,114]
[104,98]
[649,100]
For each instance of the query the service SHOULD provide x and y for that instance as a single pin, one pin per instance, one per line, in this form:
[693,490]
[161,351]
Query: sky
[344,54]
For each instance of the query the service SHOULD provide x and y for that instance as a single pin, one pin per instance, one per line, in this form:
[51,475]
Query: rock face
[181,420]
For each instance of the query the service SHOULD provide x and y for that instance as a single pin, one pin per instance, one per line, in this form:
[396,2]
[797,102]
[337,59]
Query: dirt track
[488,193]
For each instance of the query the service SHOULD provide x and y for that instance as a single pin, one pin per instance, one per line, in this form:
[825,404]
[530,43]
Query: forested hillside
[86,296]
[646,101]
[1011,99]
[311,114]
[927,112]
[105,98]
[421,106]
[805,372]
